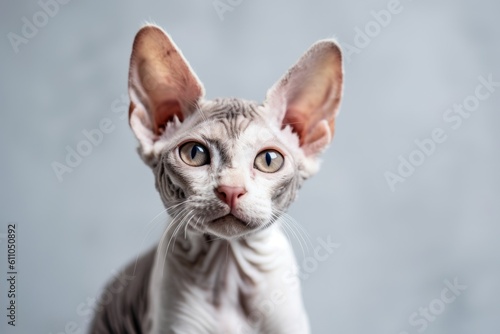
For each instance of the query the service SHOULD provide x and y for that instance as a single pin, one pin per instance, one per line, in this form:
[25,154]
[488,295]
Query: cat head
[229,167]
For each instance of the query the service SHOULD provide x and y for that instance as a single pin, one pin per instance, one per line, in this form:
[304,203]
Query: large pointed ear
[307,97]
[162,86]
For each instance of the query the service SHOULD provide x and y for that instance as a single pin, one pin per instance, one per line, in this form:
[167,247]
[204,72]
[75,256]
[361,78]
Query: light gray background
[397,247]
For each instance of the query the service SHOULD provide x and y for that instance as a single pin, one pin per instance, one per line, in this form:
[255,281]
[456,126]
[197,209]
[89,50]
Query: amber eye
[269,161]
[194,154]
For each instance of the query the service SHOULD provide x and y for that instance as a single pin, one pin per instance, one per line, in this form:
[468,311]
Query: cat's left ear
[307,98]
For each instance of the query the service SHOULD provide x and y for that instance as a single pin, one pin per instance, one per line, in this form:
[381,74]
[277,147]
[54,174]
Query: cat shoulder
[123,304]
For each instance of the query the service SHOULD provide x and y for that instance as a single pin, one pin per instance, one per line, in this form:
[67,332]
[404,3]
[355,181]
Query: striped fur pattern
[234,131]
[222,266]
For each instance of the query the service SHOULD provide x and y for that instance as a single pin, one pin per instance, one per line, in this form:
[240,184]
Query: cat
[226,170]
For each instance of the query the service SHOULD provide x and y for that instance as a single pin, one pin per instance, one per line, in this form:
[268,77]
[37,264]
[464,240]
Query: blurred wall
[410,218]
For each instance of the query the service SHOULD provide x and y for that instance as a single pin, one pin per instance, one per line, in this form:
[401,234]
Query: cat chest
[223,288]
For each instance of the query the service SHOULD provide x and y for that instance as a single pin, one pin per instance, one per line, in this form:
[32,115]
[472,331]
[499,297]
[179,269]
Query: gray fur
[216,264]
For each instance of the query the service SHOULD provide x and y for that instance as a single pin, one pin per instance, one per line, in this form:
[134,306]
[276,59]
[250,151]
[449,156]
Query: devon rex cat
[226,171]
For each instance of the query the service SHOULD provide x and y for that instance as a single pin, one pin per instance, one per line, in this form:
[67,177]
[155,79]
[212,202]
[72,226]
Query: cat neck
[199,256]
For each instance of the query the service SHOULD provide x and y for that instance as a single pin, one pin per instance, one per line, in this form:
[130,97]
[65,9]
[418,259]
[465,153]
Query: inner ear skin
[297,123]
[161,83]
[164,113]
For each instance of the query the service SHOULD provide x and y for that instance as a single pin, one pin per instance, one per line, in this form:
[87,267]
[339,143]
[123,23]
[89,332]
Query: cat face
[229,167]
[233,171]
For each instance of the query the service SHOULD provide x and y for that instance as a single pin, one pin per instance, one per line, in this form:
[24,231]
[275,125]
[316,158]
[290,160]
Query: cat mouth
[229,218]
[230,226]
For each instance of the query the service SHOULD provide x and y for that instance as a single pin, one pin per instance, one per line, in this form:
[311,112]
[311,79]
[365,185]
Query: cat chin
[230,227]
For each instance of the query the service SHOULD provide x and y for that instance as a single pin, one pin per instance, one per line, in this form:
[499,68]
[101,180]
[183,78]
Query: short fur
[219,264]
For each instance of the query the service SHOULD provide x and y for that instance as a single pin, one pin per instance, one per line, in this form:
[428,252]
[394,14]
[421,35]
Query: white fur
[182,304]
[211,286]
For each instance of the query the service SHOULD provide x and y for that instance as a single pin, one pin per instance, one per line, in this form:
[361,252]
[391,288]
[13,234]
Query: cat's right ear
[162,87]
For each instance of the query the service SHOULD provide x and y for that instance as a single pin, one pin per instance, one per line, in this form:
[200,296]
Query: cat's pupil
[269,157]
[195,150]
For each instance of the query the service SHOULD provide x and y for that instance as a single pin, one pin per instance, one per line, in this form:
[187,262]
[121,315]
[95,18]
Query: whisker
[169,208]
[172,223]
[291,224]
[185,227]
[150,229]
[171,237]
[299,227]
[180,203]
[165,234]
[158,215]
[285,223]
[276,219]
[177,230]
[197,222]
[300,234]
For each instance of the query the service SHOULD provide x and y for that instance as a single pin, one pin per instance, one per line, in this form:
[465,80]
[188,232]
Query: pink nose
[230,195]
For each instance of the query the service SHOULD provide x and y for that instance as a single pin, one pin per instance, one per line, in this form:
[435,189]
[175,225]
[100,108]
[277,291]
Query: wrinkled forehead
[234,122]
[231,108]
